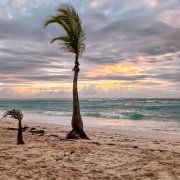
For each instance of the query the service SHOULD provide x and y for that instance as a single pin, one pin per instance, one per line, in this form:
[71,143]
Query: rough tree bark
[19,134]
[77,123]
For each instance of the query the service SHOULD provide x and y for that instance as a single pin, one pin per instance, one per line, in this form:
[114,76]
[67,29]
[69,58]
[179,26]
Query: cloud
[144,33]
[94,4]
[151,3]
[17,30]
[172,77]
[89,90]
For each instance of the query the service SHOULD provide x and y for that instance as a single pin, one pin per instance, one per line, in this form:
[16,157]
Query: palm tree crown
[74,39]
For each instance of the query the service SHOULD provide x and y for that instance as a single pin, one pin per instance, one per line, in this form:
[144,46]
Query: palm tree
[16,114]
[73,41]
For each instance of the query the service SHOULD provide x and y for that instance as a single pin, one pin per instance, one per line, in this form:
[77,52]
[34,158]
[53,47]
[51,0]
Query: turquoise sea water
[142,114]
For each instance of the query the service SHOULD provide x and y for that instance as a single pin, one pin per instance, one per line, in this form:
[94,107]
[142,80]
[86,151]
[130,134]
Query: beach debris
[34,131]
[12,129]
[16,114]
[72,152]
[156,142]
[15,129]
[111,144]
[25,128]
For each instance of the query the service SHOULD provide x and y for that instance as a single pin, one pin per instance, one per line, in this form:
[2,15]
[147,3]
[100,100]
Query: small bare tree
[16,114]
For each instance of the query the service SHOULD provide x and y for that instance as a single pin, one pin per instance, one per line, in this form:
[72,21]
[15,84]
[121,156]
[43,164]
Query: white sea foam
[134,114]
[123,124]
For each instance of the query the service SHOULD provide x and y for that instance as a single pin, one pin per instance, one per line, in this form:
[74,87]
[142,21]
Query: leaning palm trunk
[77,123]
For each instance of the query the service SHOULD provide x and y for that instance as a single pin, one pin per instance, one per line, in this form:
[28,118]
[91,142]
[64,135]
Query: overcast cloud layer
[132,49]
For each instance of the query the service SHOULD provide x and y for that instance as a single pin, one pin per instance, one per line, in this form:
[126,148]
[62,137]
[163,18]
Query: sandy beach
[109,154]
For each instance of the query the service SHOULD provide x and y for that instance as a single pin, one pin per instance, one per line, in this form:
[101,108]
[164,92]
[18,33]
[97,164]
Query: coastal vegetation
[73,41]
[16,114]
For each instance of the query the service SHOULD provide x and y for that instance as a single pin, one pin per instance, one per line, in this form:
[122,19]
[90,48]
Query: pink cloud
[96,4]
[171,17]
[151,3]
[2,12]
[18,2]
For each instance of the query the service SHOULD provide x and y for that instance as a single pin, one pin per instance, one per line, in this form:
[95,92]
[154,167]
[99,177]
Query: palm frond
[69,20]
[51,20]
[14,113]
[56,39]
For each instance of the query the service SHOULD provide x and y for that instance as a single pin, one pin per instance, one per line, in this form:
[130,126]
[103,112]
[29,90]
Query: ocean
[128,114]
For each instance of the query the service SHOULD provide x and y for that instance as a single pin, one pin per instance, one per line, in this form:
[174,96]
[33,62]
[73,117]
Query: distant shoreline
[20,99]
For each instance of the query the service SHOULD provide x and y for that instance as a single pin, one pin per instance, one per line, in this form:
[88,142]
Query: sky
[132,50]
